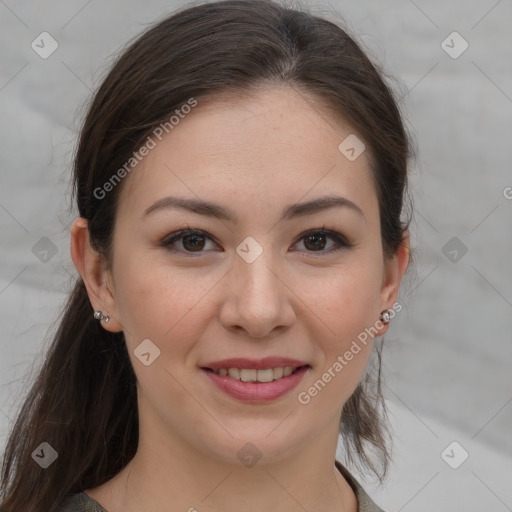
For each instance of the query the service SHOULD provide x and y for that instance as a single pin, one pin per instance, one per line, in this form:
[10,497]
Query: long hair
[83,402]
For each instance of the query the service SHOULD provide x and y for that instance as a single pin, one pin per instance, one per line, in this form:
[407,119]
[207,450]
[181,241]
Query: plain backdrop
[448,353]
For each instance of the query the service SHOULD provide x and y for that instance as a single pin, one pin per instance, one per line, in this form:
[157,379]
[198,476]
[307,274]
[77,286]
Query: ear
[394,270]
[93,269]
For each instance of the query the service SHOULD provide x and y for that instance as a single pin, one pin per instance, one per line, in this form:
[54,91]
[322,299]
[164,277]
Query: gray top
[81,502]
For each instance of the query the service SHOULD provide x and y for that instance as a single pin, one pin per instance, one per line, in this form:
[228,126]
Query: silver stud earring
[98,315]
[385,316]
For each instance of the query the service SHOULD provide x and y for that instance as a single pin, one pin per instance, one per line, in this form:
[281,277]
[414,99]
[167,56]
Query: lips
[256,392]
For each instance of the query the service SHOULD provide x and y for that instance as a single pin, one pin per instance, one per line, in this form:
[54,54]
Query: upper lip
[257,364]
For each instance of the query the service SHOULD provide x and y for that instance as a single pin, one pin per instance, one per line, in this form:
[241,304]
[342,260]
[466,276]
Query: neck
[172,471]
[265,489]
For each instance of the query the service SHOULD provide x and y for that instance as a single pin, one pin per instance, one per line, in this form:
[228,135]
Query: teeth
[278,372]
[252,375]
[234,373]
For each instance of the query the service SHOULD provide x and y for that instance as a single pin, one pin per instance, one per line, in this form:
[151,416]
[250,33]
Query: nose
[257,299]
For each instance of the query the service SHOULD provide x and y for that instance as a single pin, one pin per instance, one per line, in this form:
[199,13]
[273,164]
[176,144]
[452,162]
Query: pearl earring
[385,316]
[98,315]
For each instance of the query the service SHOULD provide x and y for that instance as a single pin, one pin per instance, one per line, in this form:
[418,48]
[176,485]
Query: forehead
[274,146]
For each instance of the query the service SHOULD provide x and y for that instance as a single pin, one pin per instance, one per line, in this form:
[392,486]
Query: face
[267,281]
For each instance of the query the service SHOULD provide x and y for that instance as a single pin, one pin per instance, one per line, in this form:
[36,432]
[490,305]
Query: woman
[239,178]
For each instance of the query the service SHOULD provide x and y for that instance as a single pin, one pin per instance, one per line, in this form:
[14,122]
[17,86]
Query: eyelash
[341,241]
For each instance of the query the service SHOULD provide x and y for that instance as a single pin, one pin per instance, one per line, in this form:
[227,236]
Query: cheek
[157,301]
[344,308]
[163,305]
[345,299]
[344,346]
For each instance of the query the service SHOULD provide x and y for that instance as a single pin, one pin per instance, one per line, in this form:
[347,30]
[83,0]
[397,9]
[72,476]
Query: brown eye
[316,241]
[195,241]
[192,241]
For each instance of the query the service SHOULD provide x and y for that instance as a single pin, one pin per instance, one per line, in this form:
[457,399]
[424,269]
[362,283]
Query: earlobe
[92,268]
[395,269]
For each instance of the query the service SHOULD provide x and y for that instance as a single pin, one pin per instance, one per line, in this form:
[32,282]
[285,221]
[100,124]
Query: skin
[254,155]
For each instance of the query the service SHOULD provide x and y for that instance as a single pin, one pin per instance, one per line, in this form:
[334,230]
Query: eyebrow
[220,212]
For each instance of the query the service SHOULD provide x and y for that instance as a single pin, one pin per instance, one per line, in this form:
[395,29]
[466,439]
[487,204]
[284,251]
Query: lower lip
[256,391]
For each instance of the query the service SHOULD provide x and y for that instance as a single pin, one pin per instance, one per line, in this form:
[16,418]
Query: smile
[253,375]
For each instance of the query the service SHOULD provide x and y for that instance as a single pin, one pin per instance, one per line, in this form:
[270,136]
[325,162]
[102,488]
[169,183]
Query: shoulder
[79,502]
[365,503]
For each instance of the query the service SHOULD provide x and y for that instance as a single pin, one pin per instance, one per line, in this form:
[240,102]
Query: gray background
[447,354]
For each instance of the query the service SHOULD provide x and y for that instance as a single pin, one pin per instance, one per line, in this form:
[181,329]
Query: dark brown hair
[83,401]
